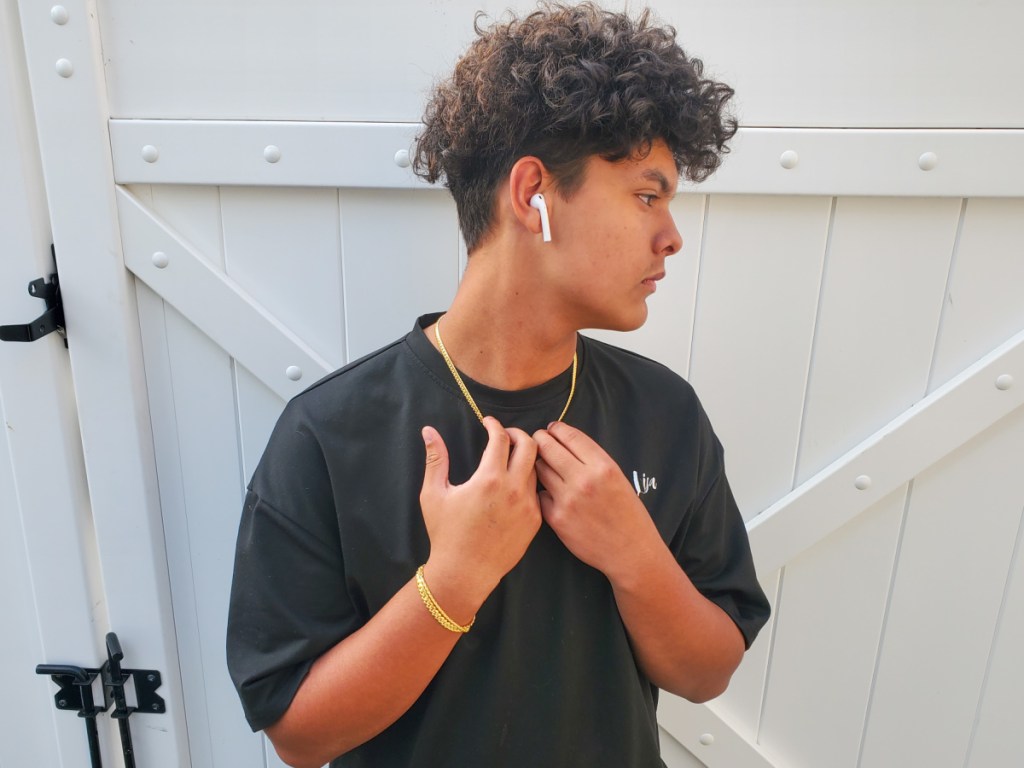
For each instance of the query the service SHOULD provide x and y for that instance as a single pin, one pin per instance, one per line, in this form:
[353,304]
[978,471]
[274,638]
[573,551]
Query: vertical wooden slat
[881,299]
[961,526]
[834,598]
[758,294]
[258,409]
[204,411]
[996,739]
[400,253]
[667,334]
[167,451]
[984,304]
[281,246]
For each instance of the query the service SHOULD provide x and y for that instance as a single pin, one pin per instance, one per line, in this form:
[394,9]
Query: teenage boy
[570,544]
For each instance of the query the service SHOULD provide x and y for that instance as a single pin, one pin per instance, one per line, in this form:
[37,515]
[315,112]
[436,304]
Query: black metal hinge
[51,320]
[76,694]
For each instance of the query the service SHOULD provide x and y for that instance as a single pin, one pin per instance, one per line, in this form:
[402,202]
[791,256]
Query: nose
[669,240]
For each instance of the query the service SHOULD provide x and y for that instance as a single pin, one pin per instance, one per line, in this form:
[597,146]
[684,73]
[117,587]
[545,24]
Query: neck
[498,330]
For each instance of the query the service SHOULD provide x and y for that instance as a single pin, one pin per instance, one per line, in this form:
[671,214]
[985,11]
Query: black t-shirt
[331,530]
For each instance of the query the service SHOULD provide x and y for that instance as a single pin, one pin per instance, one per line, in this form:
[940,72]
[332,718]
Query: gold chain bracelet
[436,611]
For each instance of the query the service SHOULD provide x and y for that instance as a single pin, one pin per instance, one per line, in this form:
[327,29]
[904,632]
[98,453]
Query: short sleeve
[712,545]
[289,602]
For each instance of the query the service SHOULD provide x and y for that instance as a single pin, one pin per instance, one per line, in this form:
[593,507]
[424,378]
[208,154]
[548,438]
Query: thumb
[435,475]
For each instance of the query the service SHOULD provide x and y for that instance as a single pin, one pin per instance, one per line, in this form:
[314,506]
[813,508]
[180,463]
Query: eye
[647,199]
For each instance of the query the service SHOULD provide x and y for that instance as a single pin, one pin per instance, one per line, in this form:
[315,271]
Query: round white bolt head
[927,161]
[160,260]
[150,153]
[293,372]
[402,159]
[64,68]
[707,739]
[1004,382]
[59,14]
[862,483]
[789,159]
[271,153]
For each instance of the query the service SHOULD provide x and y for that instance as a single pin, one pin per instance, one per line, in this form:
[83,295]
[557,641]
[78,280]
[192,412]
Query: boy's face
[613,235]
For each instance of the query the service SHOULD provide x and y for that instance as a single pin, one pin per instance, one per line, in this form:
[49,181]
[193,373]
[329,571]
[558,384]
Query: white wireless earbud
[537,201]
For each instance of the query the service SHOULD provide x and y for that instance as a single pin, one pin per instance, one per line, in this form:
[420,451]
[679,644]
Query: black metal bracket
[51,320]
[76,694]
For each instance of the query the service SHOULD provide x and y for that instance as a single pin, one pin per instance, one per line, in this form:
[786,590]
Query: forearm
[368,680]
[684,643]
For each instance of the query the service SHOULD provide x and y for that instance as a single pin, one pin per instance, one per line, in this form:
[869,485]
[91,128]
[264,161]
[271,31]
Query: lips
[651,282]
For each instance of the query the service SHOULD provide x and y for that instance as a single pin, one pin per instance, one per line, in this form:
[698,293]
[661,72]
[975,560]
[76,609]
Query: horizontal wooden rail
[777,161]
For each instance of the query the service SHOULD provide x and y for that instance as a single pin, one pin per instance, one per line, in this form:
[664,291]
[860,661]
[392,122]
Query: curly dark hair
[562,84]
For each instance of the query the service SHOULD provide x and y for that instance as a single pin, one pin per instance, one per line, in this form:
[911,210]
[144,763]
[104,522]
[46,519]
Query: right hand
[478,530]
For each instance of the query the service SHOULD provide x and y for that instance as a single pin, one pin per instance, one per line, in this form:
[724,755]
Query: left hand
[589,502]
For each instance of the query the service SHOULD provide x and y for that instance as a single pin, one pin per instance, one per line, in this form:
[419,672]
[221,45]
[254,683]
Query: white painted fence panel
[806,323]
[805,63]
[283,251]
[996,738]
[984,303]
[880,305]
[192,391]
[401,256]
[756,304]
[961,527]
[827,629]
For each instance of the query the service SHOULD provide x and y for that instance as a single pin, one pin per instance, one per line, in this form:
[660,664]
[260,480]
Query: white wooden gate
[234,217]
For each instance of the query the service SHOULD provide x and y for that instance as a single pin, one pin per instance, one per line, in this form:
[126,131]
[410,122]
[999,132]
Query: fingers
[435,475]
[556,458]
[550,479]
[495,456]
[578,443]
[524,453]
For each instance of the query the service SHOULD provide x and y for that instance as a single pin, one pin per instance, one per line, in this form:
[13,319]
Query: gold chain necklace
[465,391]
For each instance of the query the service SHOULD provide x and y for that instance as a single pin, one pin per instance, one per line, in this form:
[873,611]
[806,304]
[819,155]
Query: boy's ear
[527,178]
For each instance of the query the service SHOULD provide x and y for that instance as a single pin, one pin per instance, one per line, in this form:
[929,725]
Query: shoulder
[660,383]
[651,393]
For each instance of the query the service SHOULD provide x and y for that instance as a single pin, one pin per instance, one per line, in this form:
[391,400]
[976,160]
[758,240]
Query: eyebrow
[652,174]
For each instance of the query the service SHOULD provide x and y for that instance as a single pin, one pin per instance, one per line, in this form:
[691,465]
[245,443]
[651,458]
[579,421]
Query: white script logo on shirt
[643,483]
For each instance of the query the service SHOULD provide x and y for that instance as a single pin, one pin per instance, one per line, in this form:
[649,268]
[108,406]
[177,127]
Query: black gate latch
[76,694]
[51,320]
